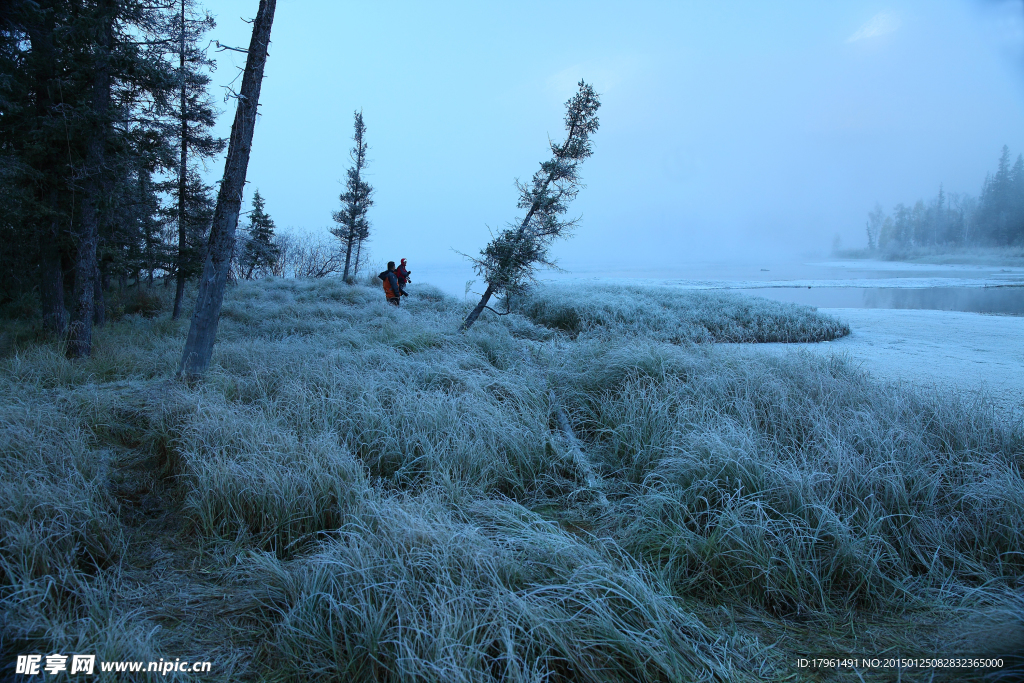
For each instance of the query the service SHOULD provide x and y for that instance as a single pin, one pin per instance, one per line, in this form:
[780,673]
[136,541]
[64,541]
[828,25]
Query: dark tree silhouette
[193,118]
[87,232]
[84,89]
[510,261]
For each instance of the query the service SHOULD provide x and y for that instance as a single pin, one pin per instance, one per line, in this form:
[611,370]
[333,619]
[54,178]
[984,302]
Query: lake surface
[825,284]
[1007,300]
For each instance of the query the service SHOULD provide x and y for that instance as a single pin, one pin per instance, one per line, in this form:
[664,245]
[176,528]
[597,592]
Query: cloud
[878,25]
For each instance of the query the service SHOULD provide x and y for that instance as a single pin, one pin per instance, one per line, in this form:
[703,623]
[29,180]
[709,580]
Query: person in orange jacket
[392,291]
[403,277]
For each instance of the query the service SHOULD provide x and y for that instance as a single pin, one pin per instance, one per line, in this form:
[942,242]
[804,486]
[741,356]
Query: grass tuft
[675,315]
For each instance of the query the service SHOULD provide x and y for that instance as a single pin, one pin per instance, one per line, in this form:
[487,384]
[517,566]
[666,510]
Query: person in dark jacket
[391,289]
[403,277]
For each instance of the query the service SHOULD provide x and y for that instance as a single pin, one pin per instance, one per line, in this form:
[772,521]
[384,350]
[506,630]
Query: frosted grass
[675,315]
[365,493]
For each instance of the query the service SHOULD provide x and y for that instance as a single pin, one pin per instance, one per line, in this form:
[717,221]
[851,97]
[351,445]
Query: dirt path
[966,352]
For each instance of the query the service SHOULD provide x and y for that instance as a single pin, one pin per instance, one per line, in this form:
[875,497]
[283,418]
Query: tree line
[993,218]
[106,119]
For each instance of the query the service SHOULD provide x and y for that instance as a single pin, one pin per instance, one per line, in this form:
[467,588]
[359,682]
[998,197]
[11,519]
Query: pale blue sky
[727,128]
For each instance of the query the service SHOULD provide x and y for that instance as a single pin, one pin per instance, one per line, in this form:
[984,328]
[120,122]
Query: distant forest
[995,218]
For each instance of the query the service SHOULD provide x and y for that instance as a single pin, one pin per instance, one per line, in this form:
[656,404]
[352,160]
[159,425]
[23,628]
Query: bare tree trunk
[51,284]
[51,272]
[583,465]
[83,293]
[203,331]
[179,290]
[99,312]
[475,313]
[80,340]
[359,249]
[348,250]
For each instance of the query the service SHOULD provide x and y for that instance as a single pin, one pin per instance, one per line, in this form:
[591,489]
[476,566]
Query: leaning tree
[510,261]
[202,332]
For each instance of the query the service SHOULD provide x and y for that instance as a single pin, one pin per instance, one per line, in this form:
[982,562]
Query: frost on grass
[364,493]
[675,315]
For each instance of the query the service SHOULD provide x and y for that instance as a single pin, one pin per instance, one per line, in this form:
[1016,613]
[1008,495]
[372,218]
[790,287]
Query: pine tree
[36,100]
[509,262]
[193,119]
[81,83]
[1015,234]
[938,217]
[996,203]
[903,232]
[259,253]
[876,219]
[353,227]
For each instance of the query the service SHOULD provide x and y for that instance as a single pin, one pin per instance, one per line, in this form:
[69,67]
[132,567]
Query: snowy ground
[964,352]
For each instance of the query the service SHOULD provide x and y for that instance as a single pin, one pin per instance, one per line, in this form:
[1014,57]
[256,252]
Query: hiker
[391,289]
[403,277]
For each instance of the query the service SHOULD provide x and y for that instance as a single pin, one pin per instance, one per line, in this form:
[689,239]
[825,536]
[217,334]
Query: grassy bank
[675,315]
[359,492]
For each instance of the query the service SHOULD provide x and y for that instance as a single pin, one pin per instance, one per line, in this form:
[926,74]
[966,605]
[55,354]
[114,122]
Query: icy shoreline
[888,283]
[974,354]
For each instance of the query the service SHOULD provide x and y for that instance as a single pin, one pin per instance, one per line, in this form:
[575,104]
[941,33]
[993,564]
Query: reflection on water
[1005,300]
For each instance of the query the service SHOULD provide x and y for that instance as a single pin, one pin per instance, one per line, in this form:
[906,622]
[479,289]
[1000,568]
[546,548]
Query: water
[1006,300]
[830,284]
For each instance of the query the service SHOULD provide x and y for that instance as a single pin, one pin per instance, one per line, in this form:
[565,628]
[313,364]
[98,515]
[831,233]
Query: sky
[729,130]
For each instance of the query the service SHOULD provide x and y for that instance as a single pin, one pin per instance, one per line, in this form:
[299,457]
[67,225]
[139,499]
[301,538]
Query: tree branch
[495,312]
[221,48]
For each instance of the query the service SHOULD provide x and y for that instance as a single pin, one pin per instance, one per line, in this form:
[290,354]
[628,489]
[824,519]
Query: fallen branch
[583,466]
